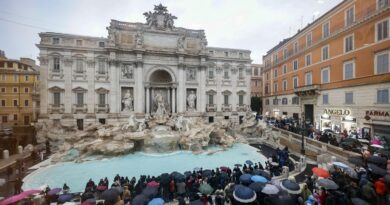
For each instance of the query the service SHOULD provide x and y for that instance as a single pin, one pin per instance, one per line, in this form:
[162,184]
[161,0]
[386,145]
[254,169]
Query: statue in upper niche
[160,18]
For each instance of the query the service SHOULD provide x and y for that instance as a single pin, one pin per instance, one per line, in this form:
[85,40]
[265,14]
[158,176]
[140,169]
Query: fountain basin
[76,175]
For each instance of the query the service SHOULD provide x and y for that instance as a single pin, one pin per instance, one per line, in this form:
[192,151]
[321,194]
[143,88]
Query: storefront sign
[377,113]
[337,112]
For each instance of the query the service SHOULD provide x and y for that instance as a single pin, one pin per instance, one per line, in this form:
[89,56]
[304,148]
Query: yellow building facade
[19,98]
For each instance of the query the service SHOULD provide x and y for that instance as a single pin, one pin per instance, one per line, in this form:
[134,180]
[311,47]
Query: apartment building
[256,80]
[334,73]
[19,97]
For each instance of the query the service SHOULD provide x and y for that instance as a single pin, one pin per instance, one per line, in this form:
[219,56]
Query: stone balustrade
[76,108]
[102,108]
[53,108]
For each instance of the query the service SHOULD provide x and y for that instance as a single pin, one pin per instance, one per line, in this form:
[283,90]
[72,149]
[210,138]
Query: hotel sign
[337,112]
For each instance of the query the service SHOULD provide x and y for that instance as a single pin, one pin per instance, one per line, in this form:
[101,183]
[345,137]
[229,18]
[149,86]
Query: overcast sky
[257,25]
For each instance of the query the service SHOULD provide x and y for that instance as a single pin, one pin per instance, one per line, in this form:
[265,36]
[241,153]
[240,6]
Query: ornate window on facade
[79,65]
[241,73]
[101,66]
[56,64]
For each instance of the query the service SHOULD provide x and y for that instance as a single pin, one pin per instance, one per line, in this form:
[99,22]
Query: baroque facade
[141,68]
[335,72]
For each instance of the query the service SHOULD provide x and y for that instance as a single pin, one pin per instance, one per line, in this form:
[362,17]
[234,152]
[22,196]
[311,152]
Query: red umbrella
[153,184]
[320,172]
[18,197]
[101,188]
[224,169]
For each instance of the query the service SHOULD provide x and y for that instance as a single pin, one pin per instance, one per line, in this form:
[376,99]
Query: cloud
[257,25]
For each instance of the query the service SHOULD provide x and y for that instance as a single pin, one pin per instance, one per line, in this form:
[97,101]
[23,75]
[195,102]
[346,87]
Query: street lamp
[302,135]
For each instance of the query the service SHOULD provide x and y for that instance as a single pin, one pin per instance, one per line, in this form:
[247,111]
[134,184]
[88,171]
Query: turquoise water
[76,175]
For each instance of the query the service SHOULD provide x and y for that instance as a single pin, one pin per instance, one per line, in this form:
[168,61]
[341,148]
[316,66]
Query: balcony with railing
[242,108]
[226,108]
[79,108]
[80,74]
[101,76]
[211,107]
[56,108]
[57,73]
[307,90]
[102,108]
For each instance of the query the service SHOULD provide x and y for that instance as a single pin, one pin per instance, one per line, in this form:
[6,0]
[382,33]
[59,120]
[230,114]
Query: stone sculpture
[191,101]
[160,105]
[127,72]
[127,101]
[139,40]
[160,18]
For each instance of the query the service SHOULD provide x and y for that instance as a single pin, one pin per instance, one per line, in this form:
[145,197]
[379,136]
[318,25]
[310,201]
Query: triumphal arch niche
[147,68]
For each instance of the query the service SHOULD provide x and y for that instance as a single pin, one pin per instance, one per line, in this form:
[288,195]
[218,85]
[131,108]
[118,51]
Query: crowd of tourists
[366,180]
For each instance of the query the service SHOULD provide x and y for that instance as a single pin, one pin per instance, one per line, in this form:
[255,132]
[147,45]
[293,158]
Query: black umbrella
[150,192]
[385,153]
[140,200]
[376,170]
[206,173]
[187,173]
[356,160]
[196,202]
[257,186]
[284,199]
[327,184]
[164,179]
[178,176]
[387,178]
[238,165]
[110,195]
[359,201]
[87,195]
[377,160]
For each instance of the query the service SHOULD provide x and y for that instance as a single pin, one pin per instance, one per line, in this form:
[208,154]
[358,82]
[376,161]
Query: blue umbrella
[245,178]
[64,198]
[262,173]
[140,200]
[249,162]
[340,164]
[244,194]
[150,192]
[257,178]
[54,191]
[156,201]
[291,186]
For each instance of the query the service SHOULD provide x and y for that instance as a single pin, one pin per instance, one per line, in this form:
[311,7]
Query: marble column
[173,100]
[139,89]
[147,100]
[114,95]
[169,97]
[201,93]
[68,71]
[180,90]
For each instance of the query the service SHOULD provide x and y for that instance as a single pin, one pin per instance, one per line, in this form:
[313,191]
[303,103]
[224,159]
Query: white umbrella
[377,146]
[270,189]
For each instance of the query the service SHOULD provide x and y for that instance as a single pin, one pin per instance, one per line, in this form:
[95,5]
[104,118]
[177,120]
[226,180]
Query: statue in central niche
[160,104]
